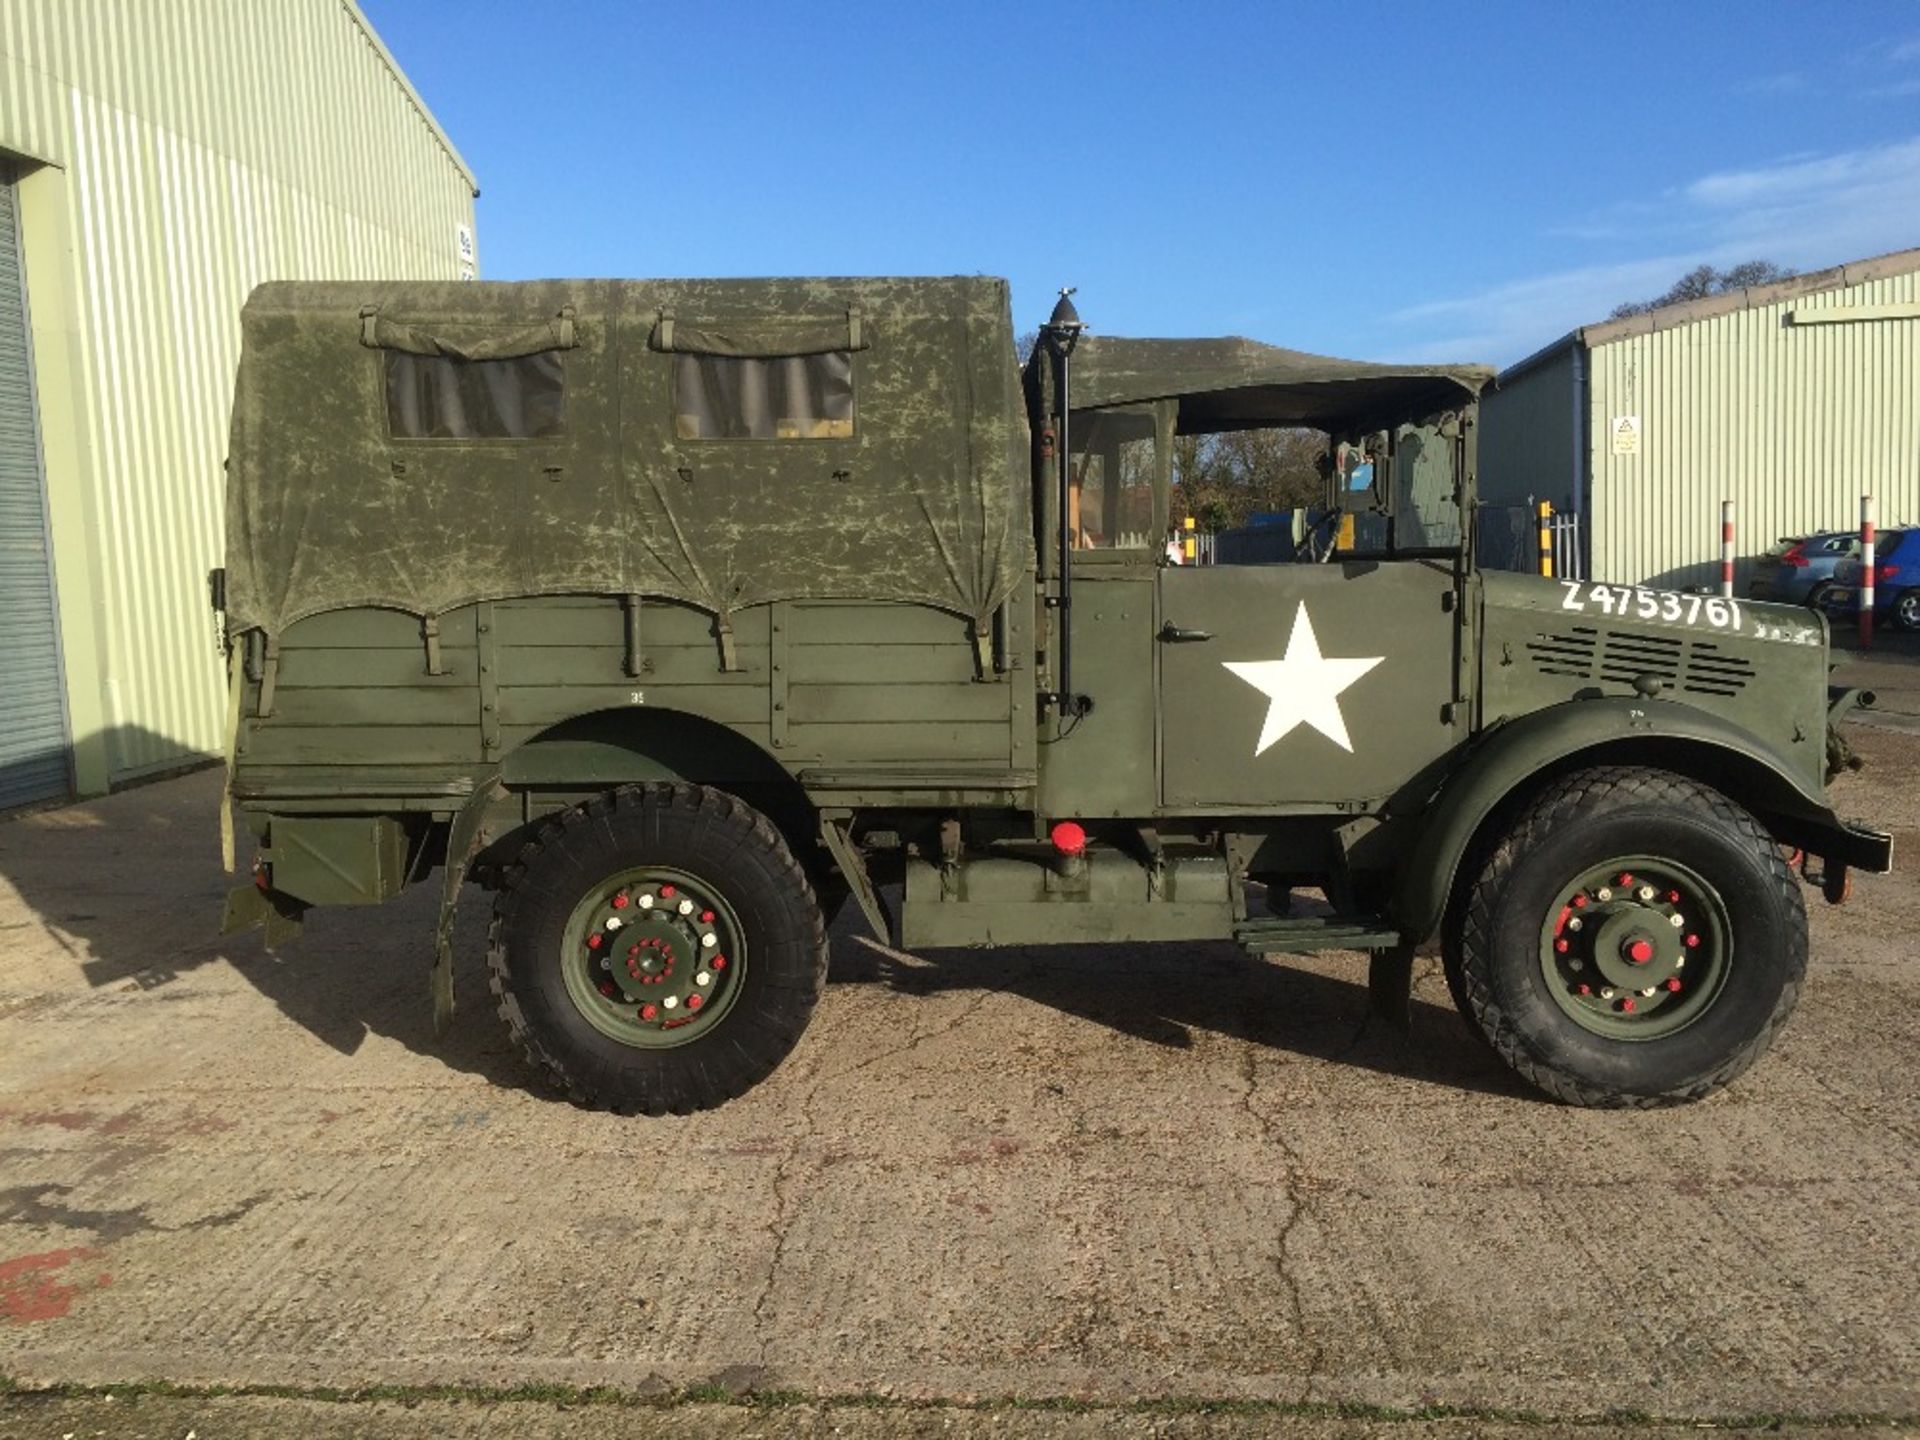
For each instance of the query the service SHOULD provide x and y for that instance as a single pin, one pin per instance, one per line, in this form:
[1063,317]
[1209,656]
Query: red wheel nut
[706,917]
[667,892]
[1674,984]
[1627,1005]
[1561,946]
[1626,877]
[694,1002]
[1693,942]
[719,962]
[620,901]
[1640,951]
[1673,897]
[1579,902]
[647,1012]
[593,942]
[1583,989]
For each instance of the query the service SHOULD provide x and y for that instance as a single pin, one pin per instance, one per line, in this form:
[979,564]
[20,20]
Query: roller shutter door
[33,722]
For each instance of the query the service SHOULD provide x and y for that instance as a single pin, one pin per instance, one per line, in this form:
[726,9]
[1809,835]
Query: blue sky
[1381,180]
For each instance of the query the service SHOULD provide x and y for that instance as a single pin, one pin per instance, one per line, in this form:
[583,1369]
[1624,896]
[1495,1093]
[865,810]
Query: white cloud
[1807,211]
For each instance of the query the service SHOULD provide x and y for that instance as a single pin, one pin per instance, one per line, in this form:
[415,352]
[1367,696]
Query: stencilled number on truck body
[1633,602]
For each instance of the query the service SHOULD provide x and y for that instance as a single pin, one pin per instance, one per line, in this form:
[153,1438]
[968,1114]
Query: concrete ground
[1162,1174]
[1890,668]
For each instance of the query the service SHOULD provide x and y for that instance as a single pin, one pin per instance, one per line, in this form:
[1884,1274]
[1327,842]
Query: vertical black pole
[1062,333]
[1068,705]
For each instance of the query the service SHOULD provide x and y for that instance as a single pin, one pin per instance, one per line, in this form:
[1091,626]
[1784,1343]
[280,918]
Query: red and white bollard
[1726,549]
[1866,570]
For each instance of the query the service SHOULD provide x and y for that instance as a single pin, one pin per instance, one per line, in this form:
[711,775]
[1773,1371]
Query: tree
[1704,280]
[1222,479]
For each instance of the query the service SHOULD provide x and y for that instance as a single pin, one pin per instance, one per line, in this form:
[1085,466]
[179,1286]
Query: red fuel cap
[1069,838]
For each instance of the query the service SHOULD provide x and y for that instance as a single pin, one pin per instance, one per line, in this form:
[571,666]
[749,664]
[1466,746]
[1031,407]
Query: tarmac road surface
[1164,1173]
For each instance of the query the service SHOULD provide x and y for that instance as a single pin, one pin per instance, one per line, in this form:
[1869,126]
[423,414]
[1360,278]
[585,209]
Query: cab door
[1283,685]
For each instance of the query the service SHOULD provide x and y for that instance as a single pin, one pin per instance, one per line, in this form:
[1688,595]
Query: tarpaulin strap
[430,630]
[723,627]
[269,673]
[983,647]
[379,333]
[766,340]
[236,683]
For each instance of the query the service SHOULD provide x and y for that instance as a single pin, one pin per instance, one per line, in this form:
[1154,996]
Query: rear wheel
[1906,609]
[1817,596]
[657,949]
[1636,940]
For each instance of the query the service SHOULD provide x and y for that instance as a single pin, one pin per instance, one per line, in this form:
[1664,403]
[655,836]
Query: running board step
[1300,935]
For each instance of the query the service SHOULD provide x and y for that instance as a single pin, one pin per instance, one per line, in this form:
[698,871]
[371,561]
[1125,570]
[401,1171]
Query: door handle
[1178,635]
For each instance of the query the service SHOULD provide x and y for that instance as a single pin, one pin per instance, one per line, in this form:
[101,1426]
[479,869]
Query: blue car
[1896,583]
[1799,570]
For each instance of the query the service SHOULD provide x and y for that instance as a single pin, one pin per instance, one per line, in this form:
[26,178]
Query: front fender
[1512,761]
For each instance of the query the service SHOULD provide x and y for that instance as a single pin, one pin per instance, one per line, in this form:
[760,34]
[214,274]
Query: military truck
[677,613]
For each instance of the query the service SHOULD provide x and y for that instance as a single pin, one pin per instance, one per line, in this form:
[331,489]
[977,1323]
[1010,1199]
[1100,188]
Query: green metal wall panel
[1792,422]
[1527,433]
[33,722]
[206,146]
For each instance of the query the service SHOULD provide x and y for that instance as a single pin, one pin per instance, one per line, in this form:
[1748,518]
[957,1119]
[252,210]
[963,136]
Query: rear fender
[1513,762]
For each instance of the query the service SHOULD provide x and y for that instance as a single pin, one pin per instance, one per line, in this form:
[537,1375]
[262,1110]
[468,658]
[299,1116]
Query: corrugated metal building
[1792,400]
[156,162]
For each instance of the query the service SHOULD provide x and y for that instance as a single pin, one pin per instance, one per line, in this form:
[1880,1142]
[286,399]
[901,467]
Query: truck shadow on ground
[1167,994]
[129,890]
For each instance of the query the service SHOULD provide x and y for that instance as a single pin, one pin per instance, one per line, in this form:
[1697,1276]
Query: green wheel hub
[1636,948]
[653,957]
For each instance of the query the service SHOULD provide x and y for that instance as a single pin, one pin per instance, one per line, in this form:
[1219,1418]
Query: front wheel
[657,949]
[1635,940]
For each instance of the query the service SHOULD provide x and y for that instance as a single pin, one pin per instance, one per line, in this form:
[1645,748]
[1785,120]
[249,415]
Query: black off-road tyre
[716,847]
[1453,968]
[1741,905]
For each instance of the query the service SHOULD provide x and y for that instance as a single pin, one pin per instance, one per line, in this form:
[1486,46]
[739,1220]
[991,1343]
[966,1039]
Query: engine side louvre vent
[1568,652]
[1628,656]
[1711,671]
[1620,657]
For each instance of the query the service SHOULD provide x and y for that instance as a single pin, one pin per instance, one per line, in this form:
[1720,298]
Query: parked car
[1799,570]
[1896,582]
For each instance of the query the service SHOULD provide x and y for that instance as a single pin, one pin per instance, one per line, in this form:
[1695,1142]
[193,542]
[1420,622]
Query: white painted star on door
[1302,687]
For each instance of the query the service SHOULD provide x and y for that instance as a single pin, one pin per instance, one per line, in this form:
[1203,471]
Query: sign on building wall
[1625,430]
[463,251]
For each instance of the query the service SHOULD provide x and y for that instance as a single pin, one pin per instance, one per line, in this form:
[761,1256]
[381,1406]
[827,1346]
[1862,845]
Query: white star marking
[1302,687]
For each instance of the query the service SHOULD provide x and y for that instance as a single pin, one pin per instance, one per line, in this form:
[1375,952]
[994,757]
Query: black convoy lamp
[1060,334]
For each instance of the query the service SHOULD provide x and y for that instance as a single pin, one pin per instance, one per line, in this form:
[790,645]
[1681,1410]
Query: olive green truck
[679,613]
